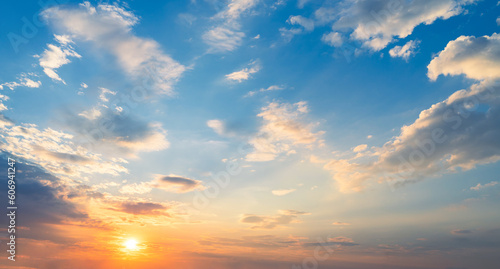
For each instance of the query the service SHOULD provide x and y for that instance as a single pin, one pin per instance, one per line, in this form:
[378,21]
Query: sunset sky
[349,134]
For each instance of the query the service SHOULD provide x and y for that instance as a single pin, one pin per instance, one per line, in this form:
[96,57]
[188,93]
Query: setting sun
[131,244]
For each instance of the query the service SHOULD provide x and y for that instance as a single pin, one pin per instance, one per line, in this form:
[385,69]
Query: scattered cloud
[283,218]
[109,27]
[142,208]
[405,51]
[23,81]
[177,184]
[339,223]
[378,23]
[282,192]
[360,148]
[270,88]
[282,128]
[456,134]
[333,39]
[136,188]
[226,35]
[56,56]
[105,91]
[480,186]
[461,232]
[245,73]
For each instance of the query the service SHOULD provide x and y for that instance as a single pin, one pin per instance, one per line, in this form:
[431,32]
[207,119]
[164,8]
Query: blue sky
[135,108]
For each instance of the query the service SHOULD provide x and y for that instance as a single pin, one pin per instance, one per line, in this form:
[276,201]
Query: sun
[131,244]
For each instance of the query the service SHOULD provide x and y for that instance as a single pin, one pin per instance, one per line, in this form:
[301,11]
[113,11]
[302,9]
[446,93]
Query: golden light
[131,244]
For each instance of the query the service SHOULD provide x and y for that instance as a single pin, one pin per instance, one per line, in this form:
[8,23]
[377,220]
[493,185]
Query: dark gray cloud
[176,183]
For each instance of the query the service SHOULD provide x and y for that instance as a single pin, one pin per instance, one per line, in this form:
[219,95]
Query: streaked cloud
[173,183]
[480,186]
[283,218]
[245,73]
[270,88]
[282,192]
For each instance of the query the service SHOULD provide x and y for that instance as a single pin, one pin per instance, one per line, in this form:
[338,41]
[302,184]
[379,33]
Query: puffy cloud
[109,131]
[282,192]
[54,57]
[376,23]
[270,88]
[218,126]
[475,57]
[110,27]
[308,24]
[457,133]
[281,129]
[177,184]
[360,148]
[284,217]
[479,186]
[333,39]
[245,73]
[404,51]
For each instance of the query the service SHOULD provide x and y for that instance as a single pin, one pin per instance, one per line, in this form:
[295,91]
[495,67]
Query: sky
[245,134]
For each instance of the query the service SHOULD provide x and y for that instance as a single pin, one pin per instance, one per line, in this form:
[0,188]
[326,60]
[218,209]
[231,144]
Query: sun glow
[131,244]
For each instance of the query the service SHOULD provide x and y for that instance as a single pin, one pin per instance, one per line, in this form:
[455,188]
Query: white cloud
[105,91]
[333,39]
[222,39]
[54,151]
[498,21]
[54,57]
[284,217]
[479,186]
[244,73]
[24,81]
[456,134]
[475,57]
[226,35]
[136,188]
[270,88]
[282,128]
[308,24]
[110,27]
[404,51]
[360,148]
[376,23]
[282,192]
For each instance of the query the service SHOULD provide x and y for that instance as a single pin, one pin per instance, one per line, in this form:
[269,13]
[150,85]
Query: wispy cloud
[245,73]
[109,27]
